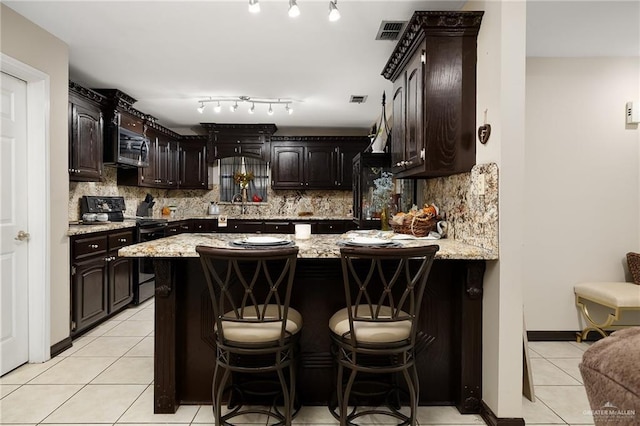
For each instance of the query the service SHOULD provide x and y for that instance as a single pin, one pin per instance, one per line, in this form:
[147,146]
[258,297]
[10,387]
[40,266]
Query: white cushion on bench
[619,294]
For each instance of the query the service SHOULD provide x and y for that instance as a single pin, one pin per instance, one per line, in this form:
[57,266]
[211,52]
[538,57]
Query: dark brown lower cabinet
[89,293]
[239,225]
[101,282]
[180,227]
[120,282]
[285,226]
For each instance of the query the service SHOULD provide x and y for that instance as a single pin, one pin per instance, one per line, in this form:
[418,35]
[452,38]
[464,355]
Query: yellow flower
[243,179]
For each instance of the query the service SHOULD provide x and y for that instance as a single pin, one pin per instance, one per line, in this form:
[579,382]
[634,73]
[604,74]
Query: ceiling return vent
[358,99]
[390,30]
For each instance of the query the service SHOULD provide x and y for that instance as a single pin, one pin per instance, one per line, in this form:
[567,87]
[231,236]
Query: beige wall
[582,208]
[29,44]
[501,82]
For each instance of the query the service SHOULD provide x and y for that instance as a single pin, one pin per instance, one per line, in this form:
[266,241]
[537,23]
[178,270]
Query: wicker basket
[416,226]
[633,261]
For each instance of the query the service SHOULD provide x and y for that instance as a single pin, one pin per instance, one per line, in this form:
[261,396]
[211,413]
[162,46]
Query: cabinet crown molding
[266,128]
[86,93]
[154,125]
[319,138]
[429,22]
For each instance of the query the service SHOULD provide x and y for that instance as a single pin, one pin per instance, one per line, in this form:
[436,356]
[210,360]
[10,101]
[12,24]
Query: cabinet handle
[122,240]
[184,227]
[93,246]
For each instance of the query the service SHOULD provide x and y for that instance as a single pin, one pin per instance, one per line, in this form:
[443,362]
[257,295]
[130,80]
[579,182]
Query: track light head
[294,10]
[254,6]
[233,101]
[334,13]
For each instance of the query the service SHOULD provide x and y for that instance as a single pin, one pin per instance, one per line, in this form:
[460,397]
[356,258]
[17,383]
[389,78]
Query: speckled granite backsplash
[472,217]
[196,202]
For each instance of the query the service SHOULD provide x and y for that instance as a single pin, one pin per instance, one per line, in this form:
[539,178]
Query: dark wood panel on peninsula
[449,369]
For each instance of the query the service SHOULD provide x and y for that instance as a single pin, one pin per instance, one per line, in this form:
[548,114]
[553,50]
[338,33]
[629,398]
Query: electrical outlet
[481,184]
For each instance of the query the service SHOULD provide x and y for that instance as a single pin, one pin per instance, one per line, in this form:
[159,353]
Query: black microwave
[133,148]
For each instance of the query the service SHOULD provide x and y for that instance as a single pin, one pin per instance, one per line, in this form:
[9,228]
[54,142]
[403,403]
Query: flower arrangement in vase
[243,179]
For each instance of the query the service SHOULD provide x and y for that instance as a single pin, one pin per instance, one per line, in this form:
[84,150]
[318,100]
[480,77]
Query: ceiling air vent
[358,99]
[390,30]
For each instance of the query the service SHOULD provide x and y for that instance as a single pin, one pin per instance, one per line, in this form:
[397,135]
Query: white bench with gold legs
[615,296]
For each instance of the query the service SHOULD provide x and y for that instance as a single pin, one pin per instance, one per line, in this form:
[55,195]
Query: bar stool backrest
[385,287]
[250,286]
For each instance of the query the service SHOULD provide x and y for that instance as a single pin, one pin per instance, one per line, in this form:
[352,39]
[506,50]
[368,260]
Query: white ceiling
[170,54]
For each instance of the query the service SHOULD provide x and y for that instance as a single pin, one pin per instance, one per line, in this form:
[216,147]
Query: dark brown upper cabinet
[121,116]
[162,171]
[239,140]
[192,154]
[175,162]
[433,70]
[86,124]
[314,162]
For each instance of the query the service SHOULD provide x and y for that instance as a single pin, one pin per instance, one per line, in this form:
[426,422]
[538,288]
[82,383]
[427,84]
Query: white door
[14,302]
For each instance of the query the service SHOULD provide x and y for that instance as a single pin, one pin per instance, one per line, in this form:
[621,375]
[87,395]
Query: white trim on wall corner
[39,273]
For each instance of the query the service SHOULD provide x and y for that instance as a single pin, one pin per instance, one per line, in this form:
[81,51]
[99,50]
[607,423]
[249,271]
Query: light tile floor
[106,379]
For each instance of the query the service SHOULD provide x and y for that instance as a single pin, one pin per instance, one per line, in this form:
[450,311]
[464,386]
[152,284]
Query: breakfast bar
[449,367]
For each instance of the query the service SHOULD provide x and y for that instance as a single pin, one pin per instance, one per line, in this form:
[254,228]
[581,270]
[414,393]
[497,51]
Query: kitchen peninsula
[449,368]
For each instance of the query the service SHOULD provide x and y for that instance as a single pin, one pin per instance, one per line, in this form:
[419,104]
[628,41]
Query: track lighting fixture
[235,100]
[334,13]
[254,6]
[294,10]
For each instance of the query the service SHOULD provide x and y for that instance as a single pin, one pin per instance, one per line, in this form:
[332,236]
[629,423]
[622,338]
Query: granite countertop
[79,229]
[318,246]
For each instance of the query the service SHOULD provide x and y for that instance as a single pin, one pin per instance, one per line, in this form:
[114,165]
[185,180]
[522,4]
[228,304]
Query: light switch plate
[633,112]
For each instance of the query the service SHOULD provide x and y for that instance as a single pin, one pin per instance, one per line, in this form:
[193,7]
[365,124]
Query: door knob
[22,236]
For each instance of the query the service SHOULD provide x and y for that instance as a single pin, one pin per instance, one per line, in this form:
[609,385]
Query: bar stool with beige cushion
[376,333]
[257,332]
[617,297]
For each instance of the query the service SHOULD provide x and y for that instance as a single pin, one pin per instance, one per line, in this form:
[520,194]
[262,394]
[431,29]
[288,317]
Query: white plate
[264,241]
[368,241]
